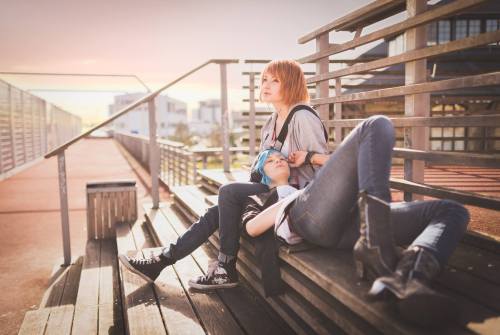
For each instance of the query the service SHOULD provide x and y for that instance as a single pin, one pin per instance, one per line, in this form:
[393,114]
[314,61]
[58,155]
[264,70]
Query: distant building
[169,113]
[205,118]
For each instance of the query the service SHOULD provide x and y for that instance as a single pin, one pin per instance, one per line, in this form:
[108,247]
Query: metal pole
[154,158]
[251,118]
[63,195]
[224,117]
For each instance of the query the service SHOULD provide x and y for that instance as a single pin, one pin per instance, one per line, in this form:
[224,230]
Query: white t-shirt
[281,227]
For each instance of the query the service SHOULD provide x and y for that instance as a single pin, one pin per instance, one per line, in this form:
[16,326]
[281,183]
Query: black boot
[149,267]
[417,302]
[374,252]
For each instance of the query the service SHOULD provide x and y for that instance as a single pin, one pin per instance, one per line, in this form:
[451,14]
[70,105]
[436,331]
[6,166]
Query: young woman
[325,213]
[282,85]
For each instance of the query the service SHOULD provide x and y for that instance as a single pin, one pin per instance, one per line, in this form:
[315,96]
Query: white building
[169,113]
[206,117]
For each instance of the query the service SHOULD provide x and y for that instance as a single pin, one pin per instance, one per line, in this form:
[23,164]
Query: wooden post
[251,119]
[322,88]
[416,104]
[154,159]
[224,117]
[337,111]
[195,168]
[63,196]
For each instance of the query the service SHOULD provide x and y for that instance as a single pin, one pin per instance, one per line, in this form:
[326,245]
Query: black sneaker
[219,275]
[148,268]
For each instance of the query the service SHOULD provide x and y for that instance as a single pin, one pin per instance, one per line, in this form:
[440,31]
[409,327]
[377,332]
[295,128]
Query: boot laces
[145,261]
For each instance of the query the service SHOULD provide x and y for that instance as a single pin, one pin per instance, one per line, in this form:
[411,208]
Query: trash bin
[110,202]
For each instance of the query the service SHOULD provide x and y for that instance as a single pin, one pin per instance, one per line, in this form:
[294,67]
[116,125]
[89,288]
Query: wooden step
[321,265]
[98,304]
[55,314]
[248,312]
[140,307]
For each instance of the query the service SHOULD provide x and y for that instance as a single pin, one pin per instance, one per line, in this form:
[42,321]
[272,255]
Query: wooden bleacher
[324,295]
[97,295]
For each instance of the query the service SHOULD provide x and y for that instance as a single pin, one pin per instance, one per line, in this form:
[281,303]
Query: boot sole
[125,263]
[203,287]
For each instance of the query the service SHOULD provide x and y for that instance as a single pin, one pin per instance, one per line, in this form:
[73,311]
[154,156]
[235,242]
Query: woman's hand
[297,158]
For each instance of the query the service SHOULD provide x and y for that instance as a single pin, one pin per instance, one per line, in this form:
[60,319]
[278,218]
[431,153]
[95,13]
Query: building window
[432,33]
[444,31]
[474,27]
[460,29]
[397,45]
[492,25]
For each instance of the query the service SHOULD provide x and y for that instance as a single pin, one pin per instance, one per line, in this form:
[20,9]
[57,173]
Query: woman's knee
[228,191]
[459,215]
[381,124]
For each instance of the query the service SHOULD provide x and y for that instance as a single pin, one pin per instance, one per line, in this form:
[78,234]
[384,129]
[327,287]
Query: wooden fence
[29,127]
[417,88]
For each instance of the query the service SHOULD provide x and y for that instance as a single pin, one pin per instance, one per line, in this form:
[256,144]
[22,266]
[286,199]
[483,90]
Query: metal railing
[29,127]
[179,165]
[154,156]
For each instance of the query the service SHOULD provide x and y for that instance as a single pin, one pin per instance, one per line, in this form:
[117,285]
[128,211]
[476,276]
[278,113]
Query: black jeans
[226,216]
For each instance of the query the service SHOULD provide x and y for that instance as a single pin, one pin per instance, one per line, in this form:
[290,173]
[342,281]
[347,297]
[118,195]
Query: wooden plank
[475,289]
[214,315]
[86,309]
[452,158]
[91,217]
[433,121]
[485,79]
[466,198]
[140,308]
[52,296]
[477,262]
[72,285]
[246,310]
[105,215]
[178,314]
[98,213]
[60,320]
[110,312]
[34,322]
[412,55]
[359,17]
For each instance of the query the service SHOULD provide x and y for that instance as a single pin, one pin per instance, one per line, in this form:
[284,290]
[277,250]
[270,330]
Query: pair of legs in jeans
[226,216]
[325,213]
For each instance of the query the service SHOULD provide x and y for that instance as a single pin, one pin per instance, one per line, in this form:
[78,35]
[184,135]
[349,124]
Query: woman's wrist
[309,157]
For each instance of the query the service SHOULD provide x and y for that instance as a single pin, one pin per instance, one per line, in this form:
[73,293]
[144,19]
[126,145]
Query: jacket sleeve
[308,132]
[250,210]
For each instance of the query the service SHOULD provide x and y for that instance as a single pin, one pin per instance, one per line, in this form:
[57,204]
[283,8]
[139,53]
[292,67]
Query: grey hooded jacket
[305,132]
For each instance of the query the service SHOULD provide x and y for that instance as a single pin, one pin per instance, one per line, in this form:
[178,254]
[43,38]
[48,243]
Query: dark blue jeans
[326,213]
[226,216]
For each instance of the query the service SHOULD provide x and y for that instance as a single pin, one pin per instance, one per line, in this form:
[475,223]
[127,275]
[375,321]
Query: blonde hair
[293,82]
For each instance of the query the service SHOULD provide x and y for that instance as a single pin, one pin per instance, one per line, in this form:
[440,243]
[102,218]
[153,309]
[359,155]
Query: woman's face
[276,167]
[270,90]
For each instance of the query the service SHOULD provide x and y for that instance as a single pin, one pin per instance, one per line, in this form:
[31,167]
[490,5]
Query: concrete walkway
[30,224]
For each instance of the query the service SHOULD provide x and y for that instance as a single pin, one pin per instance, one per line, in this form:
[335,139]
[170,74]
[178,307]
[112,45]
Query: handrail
[134,105]
[364,12]
[397,28]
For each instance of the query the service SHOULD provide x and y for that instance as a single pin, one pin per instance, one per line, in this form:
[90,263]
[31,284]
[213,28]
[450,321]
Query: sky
[156,40]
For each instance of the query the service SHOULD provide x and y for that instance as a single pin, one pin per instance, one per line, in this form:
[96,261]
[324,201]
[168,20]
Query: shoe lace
[145,260]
